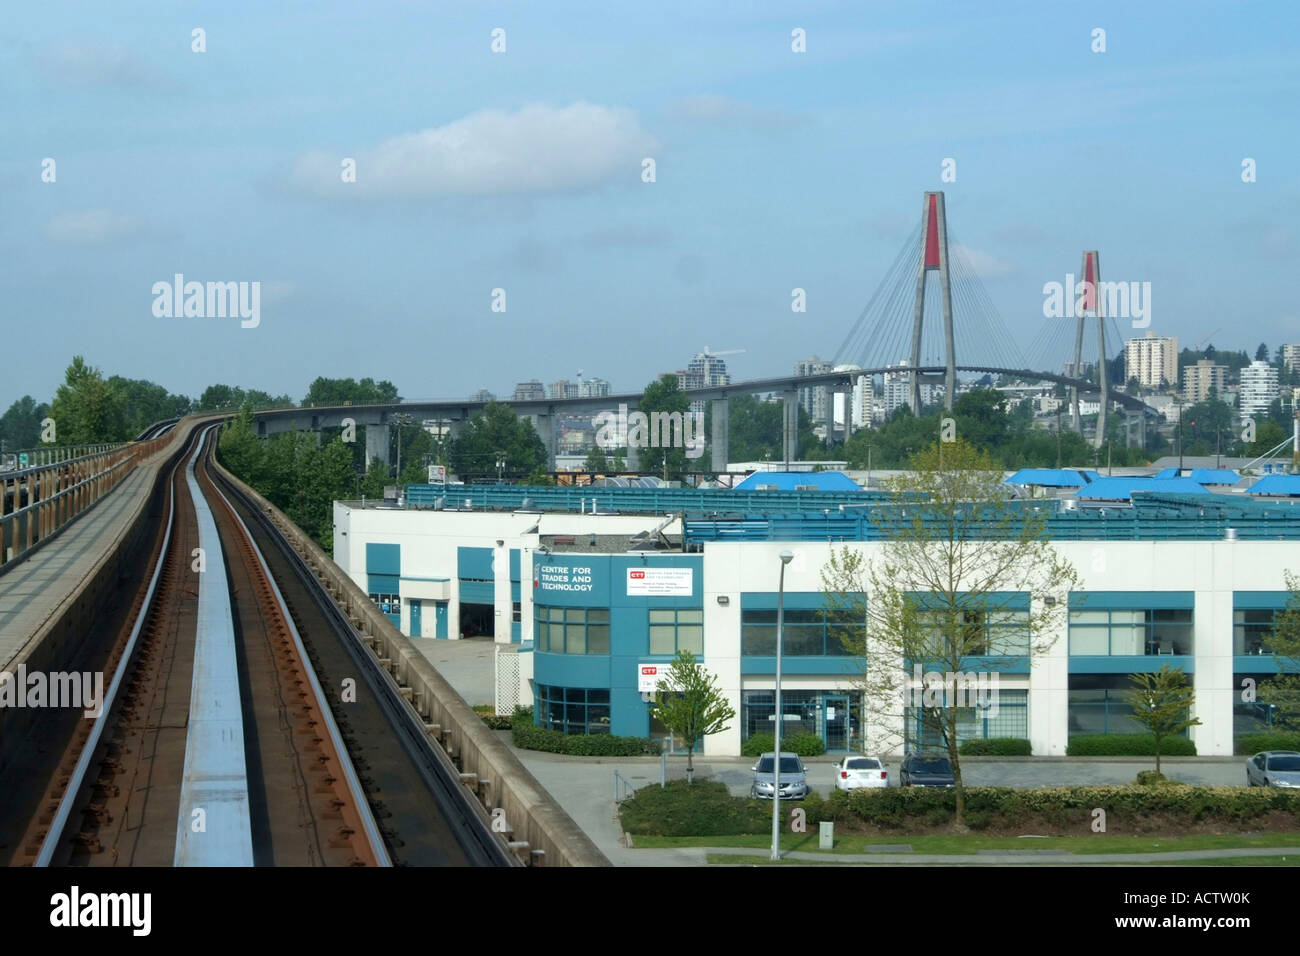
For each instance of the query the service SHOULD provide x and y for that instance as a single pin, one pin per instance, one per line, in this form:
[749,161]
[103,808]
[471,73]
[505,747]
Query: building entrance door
[836,729]
[416,611]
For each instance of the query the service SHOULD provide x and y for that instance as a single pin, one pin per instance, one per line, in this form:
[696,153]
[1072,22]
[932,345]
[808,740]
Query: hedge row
[1128,745]
[1249,744]
[706,809]
[805,745]
[487,713]
[528,736]
[995,747]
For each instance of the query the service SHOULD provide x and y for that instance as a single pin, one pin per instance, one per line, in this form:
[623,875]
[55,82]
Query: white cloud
[97,65]
[93,225]
[983,264]
[724,112]
[537,149]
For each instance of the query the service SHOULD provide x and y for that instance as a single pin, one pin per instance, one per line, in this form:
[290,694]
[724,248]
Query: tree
[145,403]
[1283,642]
[691,705]
[1161,703]
[664,396]
[497,429]
[88,409]
[20,426]
[596,460]
[340,391]
[1261,353]
[958,589]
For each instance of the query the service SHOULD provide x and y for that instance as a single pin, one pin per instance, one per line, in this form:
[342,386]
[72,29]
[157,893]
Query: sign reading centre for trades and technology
[562,577]
[660,582]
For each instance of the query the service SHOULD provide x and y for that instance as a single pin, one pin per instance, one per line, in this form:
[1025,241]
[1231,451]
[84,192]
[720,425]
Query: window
[516,613]
[1251,629]
[1010,718]
[677,629]
[1151,631]
[807,632]
[388,603]
[571,630]
[573,710]
[991,631]
[1097,705]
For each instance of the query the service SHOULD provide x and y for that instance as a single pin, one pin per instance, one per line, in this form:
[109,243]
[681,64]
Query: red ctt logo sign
[636,575]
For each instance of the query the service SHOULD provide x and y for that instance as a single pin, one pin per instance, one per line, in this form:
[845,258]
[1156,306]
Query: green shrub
[979,819]
[488,715]
[528,736]
[704,808]
[1128,745]
[1249,744]
[1149,778]
[995,747]
[805,745]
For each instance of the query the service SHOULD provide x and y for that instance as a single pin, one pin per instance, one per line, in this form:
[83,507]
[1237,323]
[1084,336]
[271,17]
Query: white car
[852,772]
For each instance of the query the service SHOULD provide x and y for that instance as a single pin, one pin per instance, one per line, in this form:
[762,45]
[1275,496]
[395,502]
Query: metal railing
[36,502]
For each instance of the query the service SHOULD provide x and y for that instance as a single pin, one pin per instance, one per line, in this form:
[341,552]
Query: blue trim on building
[1131,663]
[383,558]
[478,592]
[514,564]
[1259,600]
[1132,600]
[475,563]
[820,666]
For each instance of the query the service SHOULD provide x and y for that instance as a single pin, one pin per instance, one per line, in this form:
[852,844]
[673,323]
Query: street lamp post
[786,557]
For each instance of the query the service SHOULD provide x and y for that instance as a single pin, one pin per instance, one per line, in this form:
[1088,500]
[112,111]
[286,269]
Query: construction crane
[706,354]
[1197,346]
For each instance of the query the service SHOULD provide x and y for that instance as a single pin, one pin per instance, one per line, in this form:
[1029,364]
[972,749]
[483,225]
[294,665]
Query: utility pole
[1058,435]
[1179,403]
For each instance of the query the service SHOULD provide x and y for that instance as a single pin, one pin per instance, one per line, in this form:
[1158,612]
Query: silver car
[794,779]
[1274,768]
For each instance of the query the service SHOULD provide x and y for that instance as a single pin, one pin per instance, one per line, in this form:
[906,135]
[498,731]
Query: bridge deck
[34,590]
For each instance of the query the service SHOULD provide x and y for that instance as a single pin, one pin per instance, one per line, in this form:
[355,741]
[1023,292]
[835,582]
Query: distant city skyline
[415,207]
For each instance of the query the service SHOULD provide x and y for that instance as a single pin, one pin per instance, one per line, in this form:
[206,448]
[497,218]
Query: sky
[523,169]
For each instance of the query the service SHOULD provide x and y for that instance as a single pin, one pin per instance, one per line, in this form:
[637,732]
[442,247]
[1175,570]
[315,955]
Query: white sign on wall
[660,582]
[437,474]
[648,677]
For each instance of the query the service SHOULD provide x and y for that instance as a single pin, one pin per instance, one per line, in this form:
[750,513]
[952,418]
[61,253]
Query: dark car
[926,770]
[1273,768]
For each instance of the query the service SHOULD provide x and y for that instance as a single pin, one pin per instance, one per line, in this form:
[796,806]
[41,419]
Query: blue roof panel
[1048,478]
[1121,488]
[1167,473]
[790,480]
[1215,476]
[1276,485]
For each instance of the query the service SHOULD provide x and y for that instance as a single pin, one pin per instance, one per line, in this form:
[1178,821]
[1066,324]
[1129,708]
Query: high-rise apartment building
[530,391]
[1291,357]
[1152,360]
[1258,388]
[815,399]
[1198,379]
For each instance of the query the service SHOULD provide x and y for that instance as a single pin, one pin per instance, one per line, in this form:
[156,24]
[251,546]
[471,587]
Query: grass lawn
[970,843]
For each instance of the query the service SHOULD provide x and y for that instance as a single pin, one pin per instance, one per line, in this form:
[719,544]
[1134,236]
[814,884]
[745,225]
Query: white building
[1153,361]
[588,615]
[1291,357]
[1258,388]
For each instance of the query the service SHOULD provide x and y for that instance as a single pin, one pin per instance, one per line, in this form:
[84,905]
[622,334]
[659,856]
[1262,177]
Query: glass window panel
[575,639]
[1089,640]
[661,640]
[598,614]
[758,640]
[802,641]
[598,639]
[759,617]
[1089,617]
[541,636]
[660,616]
[690,617]
[598,695]
[691,638]
[575,614]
